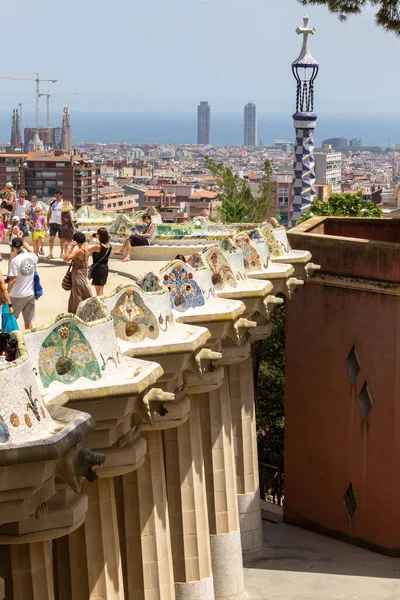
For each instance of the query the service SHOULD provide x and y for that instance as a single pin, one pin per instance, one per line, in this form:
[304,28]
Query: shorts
[26,306]
[54,229]
[38,234]
[136,240]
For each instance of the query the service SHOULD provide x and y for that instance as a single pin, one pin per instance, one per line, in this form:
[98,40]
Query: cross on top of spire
[305,59]
[305,30]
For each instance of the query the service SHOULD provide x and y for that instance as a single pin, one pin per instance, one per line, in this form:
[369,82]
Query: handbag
[8,321]
[37,286]
[66,283]
[92,267]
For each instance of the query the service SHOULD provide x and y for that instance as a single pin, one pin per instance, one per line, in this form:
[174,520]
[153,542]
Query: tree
[387,16]
[261,204]
[269,378]
[343,205]
[239,205]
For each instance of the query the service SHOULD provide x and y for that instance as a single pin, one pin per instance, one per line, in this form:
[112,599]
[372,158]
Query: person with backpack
[21,281]
[55,218]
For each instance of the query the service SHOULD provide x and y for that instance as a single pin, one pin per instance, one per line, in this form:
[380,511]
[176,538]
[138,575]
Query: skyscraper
[250,125]
[203,123]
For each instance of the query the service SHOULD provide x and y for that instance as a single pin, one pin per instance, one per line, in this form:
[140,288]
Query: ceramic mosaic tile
[222,273]
[196,261]
[251,258]
[91,310]
[274,247]
[66,355]
[150,282]
[133,320]
[281,237]
[184,292]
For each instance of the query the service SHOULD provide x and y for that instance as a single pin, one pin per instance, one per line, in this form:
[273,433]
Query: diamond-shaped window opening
[353,364]
[365,401]
[350,502]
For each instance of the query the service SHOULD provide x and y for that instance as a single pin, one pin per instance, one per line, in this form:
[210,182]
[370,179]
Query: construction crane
[48,96]
[37,80]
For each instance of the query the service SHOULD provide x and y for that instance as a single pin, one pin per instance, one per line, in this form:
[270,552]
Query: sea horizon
[226,128]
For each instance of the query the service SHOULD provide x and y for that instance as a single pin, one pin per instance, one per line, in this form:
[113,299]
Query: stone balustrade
[157,379]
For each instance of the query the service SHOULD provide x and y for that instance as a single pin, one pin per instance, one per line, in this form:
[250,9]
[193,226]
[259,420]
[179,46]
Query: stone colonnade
[177,499]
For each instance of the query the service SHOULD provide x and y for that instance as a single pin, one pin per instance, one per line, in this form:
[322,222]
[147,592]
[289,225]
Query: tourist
[39,229]
[5,302]
[101,249]
[2,227]
[67,222]
[8,203]
[14,233]
[54,220]
[78,254]
[34,203]
[21,209]
[8,347]
[21,287]
[137,238]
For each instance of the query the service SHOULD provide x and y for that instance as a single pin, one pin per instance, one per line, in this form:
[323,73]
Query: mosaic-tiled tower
[305,70]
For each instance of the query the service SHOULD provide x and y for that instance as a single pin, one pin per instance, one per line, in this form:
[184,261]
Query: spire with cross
[305,70]
[305,59]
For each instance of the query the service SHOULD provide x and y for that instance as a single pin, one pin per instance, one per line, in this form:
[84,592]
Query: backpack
[37,286]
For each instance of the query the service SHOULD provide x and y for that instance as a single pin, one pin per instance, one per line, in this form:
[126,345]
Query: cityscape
[199,290]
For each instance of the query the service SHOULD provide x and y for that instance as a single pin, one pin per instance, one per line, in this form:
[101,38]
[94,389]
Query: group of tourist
[18,290]
[20,216]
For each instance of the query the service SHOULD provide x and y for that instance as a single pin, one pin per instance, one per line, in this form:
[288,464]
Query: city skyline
[361,43]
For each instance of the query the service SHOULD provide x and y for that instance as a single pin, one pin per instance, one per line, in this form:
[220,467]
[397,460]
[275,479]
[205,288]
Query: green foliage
[238,203]
[269,375]
[342,205]
[387,16]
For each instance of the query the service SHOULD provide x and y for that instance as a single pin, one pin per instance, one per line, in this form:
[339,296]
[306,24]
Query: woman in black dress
[101,251]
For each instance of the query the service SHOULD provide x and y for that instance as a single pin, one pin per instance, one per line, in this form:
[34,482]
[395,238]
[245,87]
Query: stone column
[147,532]
[219,460]
[88,560]
[187,500]
[241,389]
[32,572]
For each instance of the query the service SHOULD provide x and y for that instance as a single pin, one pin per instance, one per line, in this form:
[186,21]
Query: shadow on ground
[297,564]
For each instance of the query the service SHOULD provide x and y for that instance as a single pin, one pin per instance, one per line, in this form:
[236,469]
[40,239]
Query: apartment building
[77,176]
[12,168]
[328,168]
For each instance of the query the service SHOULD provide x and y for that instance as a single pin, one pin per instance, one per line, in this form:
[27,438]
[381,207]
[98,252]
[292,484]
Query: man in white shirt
[21,281]
[21,210]
[54,221]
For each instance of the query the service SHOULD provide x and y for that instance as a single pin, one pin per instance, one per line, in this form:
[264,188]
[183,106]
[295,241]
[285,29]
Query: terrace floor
[297,564]
[55,299]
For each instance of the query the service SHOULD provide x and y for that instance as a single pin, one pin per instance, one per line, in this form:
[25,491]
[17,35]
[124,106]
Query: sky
[164,56]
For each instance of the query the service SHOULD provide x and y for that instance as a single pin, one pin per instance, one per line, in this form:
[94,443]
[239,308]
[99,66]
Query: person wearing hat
[56,220]
[14,230]
[9,200]
[21,287]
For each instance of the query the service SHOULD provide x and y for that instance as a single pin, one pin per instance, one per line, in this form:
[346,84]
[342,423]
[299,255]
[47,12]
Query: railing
[271,483]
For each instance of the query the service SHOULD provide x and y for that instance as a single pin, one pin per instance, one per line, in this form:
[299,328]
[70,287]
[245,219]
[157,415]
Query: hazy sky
[165,56]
